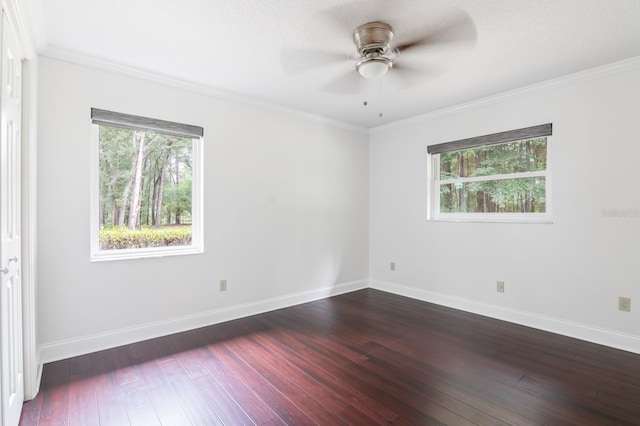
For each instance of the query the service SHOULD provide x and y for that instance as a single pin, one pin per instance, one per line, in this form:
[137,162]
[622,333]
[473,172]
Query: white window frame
[433,190]
[197,243]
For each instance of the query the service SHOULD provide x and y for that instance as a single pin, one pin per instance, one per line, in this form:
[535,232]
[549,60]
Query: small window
[146,187]
[499,177]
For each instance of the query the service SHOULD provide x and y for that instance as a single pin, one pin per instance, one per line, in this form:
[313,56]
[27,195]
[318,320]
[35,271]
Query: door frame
[32,366]
[30,353]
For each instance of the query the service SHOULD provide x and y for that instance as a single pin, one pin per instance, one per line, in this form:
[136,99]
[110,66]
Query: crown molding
[220,94]
[567,80]
[81,59]
[16,16]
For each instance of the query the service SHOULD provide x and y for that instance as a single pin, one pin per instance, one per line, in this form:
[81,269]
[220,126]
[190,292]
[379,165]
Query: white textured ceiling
[244,46]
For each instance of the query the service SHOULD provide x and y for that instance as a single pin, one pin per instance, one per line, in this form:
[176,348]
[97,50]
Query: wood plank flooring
[363,358]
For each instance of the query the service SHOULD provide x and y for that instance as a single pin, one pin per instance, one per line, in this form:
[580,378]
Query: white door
[12,390]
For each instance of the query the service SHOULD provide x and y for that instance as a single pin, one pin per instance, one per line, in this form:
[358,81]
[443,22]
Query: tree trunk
[154,200]
[158,205]
[136,201]
[112,176]
[148,210]
[127,188]
[178,209]
[114,210]
[103,209]
[158,218]
[462,201]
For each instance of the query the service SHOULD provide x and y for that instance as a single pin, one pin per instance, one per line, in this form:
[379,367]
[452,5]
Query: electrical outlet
[223,285]
[500,286]
[624,304]
[393,266]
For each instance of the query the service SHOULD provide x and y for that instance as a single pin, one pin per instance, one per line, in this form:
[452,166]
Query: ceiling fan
[379,54]
[373,41]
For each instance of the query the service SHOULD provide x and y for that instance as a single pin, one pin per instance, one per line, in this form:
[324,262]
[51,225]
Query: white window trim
[197,231]
[433,195]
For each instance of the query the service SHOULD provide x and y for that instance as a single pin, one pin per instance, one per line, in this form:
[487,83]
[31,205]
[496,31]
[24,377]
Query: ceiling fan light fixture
[373,67]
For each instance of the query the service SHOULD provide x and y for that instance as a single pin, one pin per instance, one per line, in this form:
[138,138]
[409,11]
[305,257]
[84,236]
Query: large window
[499,177]
[146,187]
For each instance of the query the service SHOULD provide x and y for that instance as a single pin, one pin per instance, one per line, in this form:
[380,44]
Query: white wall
[294,206]
[286,215]
[564,277]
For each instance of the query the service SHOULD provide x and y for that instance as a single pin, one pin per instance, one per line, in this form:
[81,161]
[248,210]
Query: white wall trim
[601,336]
[200,89]
[15,14]
[29,229]
[31,361]
[34,23]
[73,347]
[578,77]
[77,58]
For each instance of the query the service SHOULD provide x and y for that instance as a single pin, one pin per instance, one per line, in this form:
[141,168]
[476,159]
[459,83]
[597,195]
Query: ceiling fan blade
[445,29]
[409,73]
[296,61]
[348,83]
[402,77]
[458,29]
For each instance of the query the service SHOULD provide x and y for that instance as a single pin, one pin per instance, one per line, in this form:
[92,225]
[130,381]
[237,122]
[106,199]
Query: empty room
[347,212]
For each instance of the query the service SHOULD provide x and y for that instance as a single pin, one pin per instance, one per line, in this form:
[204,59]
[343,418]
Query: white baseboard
[601,336]
[73,347]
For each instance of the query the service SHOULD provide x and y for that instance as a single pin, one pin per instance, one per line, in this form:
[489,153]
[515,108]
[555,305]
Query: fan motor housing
[373,38]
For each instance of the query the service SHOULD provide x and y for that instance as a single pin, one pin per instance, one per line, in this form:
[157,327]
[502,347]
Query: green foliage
[122,238]
[522,195]
[165,191]
[513,157]
[177,202]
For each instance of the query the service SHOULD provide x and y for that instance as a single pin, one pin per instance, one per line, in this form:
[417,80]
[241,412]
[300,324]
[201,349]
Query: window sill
[544,220]
[144,254]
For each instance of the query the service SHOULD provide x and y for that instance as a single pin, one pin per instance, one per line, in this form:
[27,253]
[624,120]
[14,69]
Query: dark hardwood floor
[362,358]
